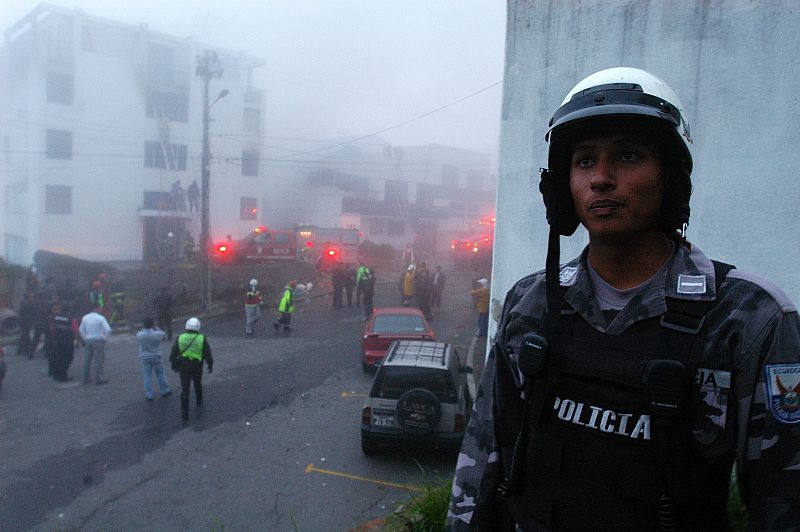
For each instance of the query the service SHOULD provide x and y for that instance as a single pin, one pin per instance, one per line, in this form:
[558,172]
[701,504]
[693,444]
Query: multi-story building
[100,121]
[394,194]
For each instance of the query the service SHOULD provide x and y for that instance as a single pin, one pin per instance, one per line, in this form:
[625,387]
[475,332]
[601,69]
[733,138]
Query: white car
[419,396]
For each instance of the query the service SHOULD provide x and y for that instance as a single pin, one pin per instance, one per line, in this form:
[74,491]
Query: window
[248,208]
[57,199]
[250,162]
[58,144]
[164,155]
[396,228]
[251,120]
[171,105]
[59,88]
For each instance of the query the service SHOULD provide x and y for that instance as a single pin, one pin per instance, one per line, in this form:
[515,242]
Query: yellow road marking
[310,468]
[353,394]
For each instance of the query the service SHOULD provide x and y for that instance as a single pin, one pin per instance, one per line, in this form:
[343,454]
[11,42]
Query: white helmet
[301,287]
[483,282]
[193,324]
[253,282]
[309,286]
[613,100]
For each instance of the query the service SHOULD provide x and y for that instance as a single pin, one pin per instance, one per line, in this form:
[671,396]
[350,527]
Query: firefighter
[252,307]
[622,385]
[286,308]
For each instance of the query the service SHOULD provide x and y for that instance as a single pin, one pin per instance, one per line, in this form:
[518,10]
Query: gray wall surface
[734,64]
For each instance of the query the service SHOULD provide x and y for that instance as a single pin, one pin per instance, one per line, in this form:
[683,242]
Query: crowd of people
[418,286]
[347,278]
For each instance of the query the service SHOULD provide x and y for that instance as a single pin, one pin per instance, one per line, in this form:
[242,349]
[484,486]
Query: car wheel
[418,411]
[368,447]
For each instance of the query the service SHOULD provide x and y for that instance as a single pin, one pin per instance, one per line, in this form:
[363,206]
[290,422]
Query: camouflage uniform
[748,378]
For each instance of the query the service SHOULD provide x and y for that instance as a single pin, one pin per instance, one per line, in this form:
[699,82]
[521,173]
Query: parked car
[419,396]
[388,324]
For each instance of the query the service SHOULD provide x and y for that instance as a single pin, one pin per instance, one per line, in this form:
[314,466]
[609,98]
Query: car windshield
[393,381]
[408,323]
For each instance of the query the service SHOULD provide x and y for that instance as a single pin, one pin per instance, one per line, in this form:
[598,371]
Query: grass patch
[426,512]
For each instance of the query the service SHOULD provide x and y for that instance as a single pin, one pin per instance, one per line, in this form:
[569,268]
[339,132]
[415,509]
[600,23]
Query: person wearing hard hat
[406,285]
[188,353]
[481,297]
[622,386]
[286,308]
[252,307]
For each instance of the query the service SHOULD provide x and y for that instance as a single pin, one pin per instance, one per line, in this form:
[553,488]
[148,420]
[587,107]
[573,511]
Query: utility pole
[206,70]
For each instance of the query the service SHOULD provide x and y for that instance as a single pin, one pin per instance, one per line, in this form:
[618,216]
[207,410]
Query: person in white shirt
[94,331]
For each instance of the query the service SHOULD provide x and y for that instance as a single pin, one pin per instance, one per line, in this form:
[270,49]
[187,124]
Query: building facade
[396,195]
[101,128]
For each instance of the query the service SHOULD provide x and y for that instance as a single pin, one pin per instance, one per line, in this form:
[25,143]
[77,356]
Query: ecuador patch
[783,392]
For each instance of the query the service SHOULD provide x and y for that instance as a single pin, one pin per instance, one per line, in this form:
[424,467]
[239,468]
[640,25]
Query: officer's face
[617,186]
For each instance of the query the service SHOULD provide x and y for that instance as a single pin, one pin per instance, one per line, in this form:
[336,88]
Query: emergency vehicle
[262,244]
[471,251]
[324,246]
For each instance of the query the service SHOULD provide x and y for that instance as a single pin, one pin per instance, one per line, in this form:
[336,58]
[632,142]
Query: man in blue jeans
[150,339]
[94,330]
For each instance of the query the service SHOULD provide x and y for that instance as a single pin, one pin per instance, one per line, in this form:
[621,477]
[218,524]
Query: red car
[388,324]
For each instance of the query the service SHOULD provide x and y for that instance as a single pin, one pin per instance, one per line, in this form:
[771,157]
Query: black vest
[595,464]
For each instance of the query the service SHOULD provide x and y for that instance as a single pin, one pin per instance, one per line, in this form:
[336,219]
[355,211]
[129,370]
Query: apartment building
[99,121]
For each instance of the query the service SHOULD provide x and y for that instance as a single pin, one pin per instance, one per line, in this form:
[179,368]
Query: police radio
[532,362]
[665,385]
[533,356]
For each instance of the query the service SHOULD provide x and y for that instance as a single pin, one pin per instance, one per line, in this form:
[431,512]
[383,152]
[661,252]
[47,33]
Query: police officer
[188,353]
[252,307]
[622,386]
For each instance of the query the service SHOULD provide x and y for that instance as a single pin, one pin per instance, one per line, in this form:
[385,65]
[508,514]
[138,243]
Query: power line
[395,126]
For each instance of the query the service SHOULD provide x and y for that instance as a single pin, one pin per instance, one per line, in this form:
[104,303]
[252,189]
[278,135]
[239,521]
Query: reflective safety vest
[287,301]
[190,345]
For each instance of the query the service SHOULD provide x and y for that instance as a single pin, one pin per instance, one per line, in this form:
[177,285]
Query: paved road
[276,446]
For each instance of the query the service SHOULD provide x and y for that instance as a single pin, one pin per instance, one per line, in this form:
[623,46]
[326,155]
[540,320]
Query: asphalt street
[276,446]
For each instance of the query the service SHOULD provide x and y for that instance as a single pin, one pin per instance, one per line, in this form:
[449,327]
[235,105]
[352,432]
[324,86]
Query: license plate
[383,421]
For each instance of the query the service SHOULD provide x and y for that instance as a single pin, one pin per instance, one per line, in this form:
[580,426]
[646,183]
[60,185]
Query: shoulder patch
[783,390]
[691,284]
[567,274]
[769,287]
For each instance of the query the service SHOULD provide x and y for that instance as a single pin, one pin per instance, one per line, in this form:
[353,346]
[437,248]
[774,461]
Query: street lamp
[207,68]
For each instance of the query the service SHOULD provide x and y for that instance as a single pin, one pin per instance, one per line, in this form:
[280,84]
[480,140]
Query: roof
[398,310]
[415,353]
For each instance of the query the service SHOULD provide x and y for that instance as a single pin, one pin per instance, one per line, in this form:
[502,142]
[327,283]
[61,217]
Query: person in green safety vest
[188,353]
[286,307]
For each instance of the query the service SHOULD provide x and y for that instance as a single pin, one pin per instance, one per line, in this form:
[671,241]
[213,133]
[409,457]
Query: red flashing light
[309,244]
[223,248]
[260,228]
[331,252]
[486,239]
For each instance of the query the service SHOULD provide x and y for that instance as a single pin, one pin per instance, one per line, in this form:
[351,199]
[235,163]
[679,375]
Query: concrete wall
[735,67]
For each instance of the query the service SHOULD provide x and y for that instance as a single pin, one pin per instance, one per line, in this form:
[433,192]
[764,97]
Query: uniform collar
[689,275]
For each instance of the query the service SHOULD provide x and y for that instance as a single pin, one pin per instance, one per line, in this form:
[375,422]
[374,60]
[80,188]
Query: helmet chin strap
[552,323]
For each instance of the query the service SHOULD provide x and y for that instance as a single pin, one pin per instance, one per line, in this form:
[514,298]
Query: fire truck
[324,247]
[262,244]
